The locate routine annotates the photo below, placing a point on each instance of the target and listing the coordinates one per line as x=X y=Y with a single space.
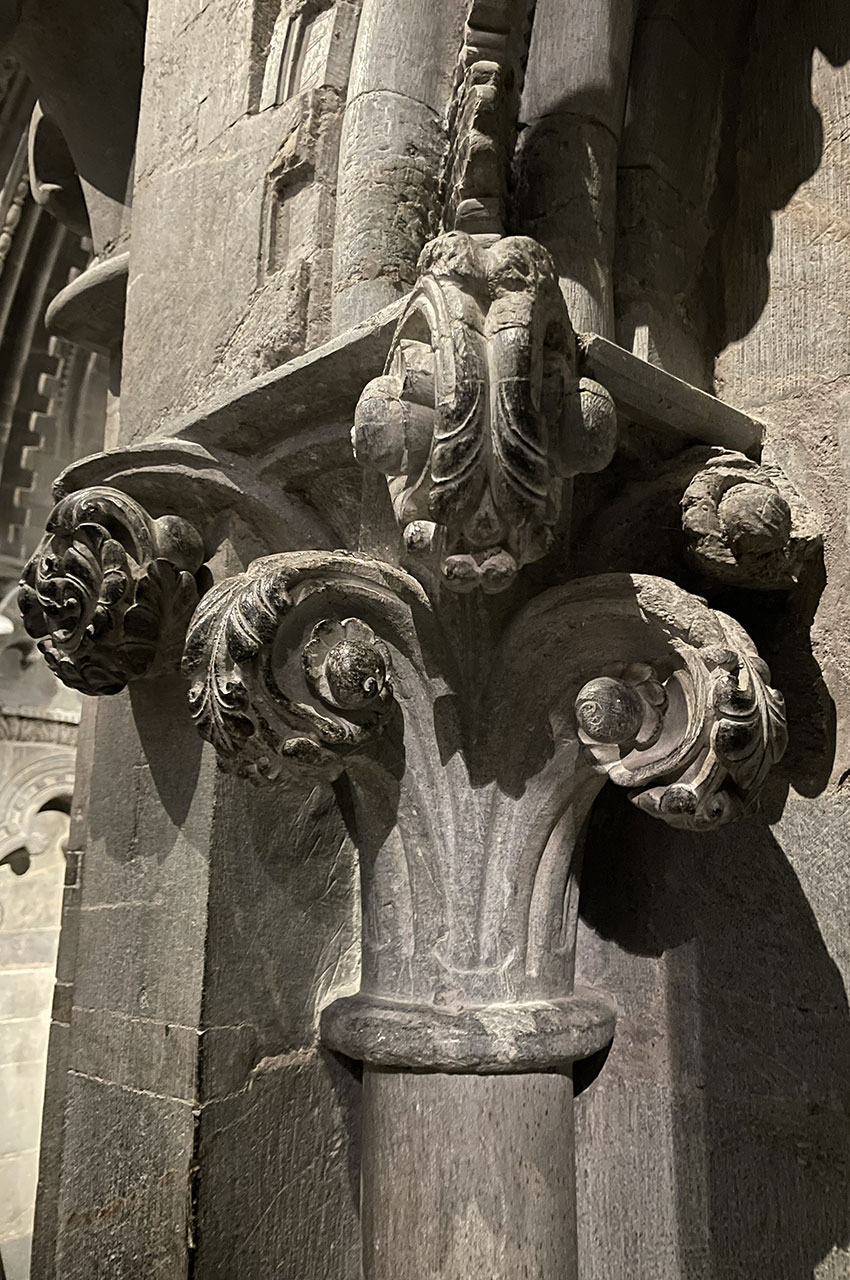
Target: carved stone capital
x=109 y=592
x=480 y=415
x=465 y=759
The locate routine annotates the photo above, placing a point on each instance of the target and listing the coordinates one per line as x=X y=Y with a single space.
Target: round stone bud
x=380 y=427
x=678 y=801
x=498 y=571
x=609 y=711
x=756 y=519
x=356 y=673
x=460 y=573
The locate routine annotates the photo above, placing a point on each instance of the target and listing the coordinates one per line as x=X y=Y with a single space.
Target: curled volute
x=480 y=416
x=283 y=681
x=693 y=746
x=109 y=592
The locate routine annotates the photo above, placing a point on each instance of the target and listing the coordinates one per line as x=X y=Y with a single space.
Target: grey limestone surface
x=685 y=164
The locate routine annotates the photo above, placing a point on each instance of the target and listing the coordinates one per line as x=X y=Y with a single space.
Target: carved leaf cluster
x=744 y=525
x=479 y=416
x=109 y=592
x=265 y=714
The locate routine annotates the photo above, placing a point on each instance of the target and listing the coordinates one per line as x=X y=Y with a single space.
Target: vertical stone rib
x=393 y=145
x=572 y=117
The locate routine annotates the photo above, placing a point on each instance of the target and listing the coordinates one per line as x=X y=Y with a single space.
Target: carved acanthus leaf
x=695 y=746
x=109 y=592
x=480 y=416
x=279 y=687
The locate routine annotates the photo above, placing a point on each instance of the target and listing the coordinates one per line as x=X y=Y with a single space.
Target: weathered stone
x=109 y=591
x=499 y=249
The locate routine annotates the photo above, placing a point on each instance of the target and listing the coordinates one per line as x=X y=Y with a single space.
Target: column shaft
x=467 y=1177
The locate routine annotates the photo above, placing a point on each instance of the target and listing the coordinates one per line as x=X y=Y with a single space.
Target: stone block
x=292 y=1126
x=24 y=1040
x=21 y=1087
x=17 y=1191
x=25 y=992
x=126 y=1216
x=33 y=901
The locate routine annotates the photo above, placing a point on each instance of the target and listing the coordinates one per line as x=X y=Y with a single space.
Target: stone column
x=494 y=1190
x=394 y=142
x=387 y=642
x=572 y=120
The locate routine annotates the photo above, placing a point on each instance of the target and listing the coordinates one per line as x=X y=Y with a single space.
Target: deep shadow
x=170 y=741
x=346 y=1077
x=756 y=1022
x=772 y=143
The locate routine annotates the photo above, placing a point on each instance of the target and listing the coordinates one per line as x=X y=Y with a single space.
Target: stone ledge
x=650 y=396
x=296 y=419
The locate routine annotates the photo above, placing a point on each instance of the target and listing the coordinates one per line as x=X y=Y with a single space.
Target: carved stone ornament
x=744 y=524
x=25 y=792
x=465 y=761
x=736 y=732
x=483 y=126
x=271 y=709
x=109 y=592
x=480 y=416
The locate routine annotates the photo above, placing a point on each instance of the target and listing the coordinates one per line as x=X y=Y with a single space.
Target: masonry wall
x=205 y=1132
x=714 y=1141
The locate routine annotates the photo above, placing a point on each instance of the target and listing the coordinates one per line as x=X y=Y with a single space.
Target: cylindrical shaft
x=468 y=1177
x=572 y=113
x=393 y=145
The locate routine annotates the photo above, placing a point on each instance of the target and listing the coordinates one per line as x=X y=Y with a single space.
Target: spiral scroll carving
x=109 y=592
x=271 y=702
x=695 y=749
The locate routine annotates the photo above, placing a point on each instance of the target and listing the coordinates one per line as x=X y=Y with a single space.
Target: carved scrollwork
x=744 y=525
x=315 y=663
x=480 y=416
x=109 y=592
x=272 y=699
x=694 y=749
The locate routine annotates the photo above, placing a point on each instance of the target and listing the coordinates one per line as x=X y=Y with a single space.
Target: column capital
x=466 y=748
